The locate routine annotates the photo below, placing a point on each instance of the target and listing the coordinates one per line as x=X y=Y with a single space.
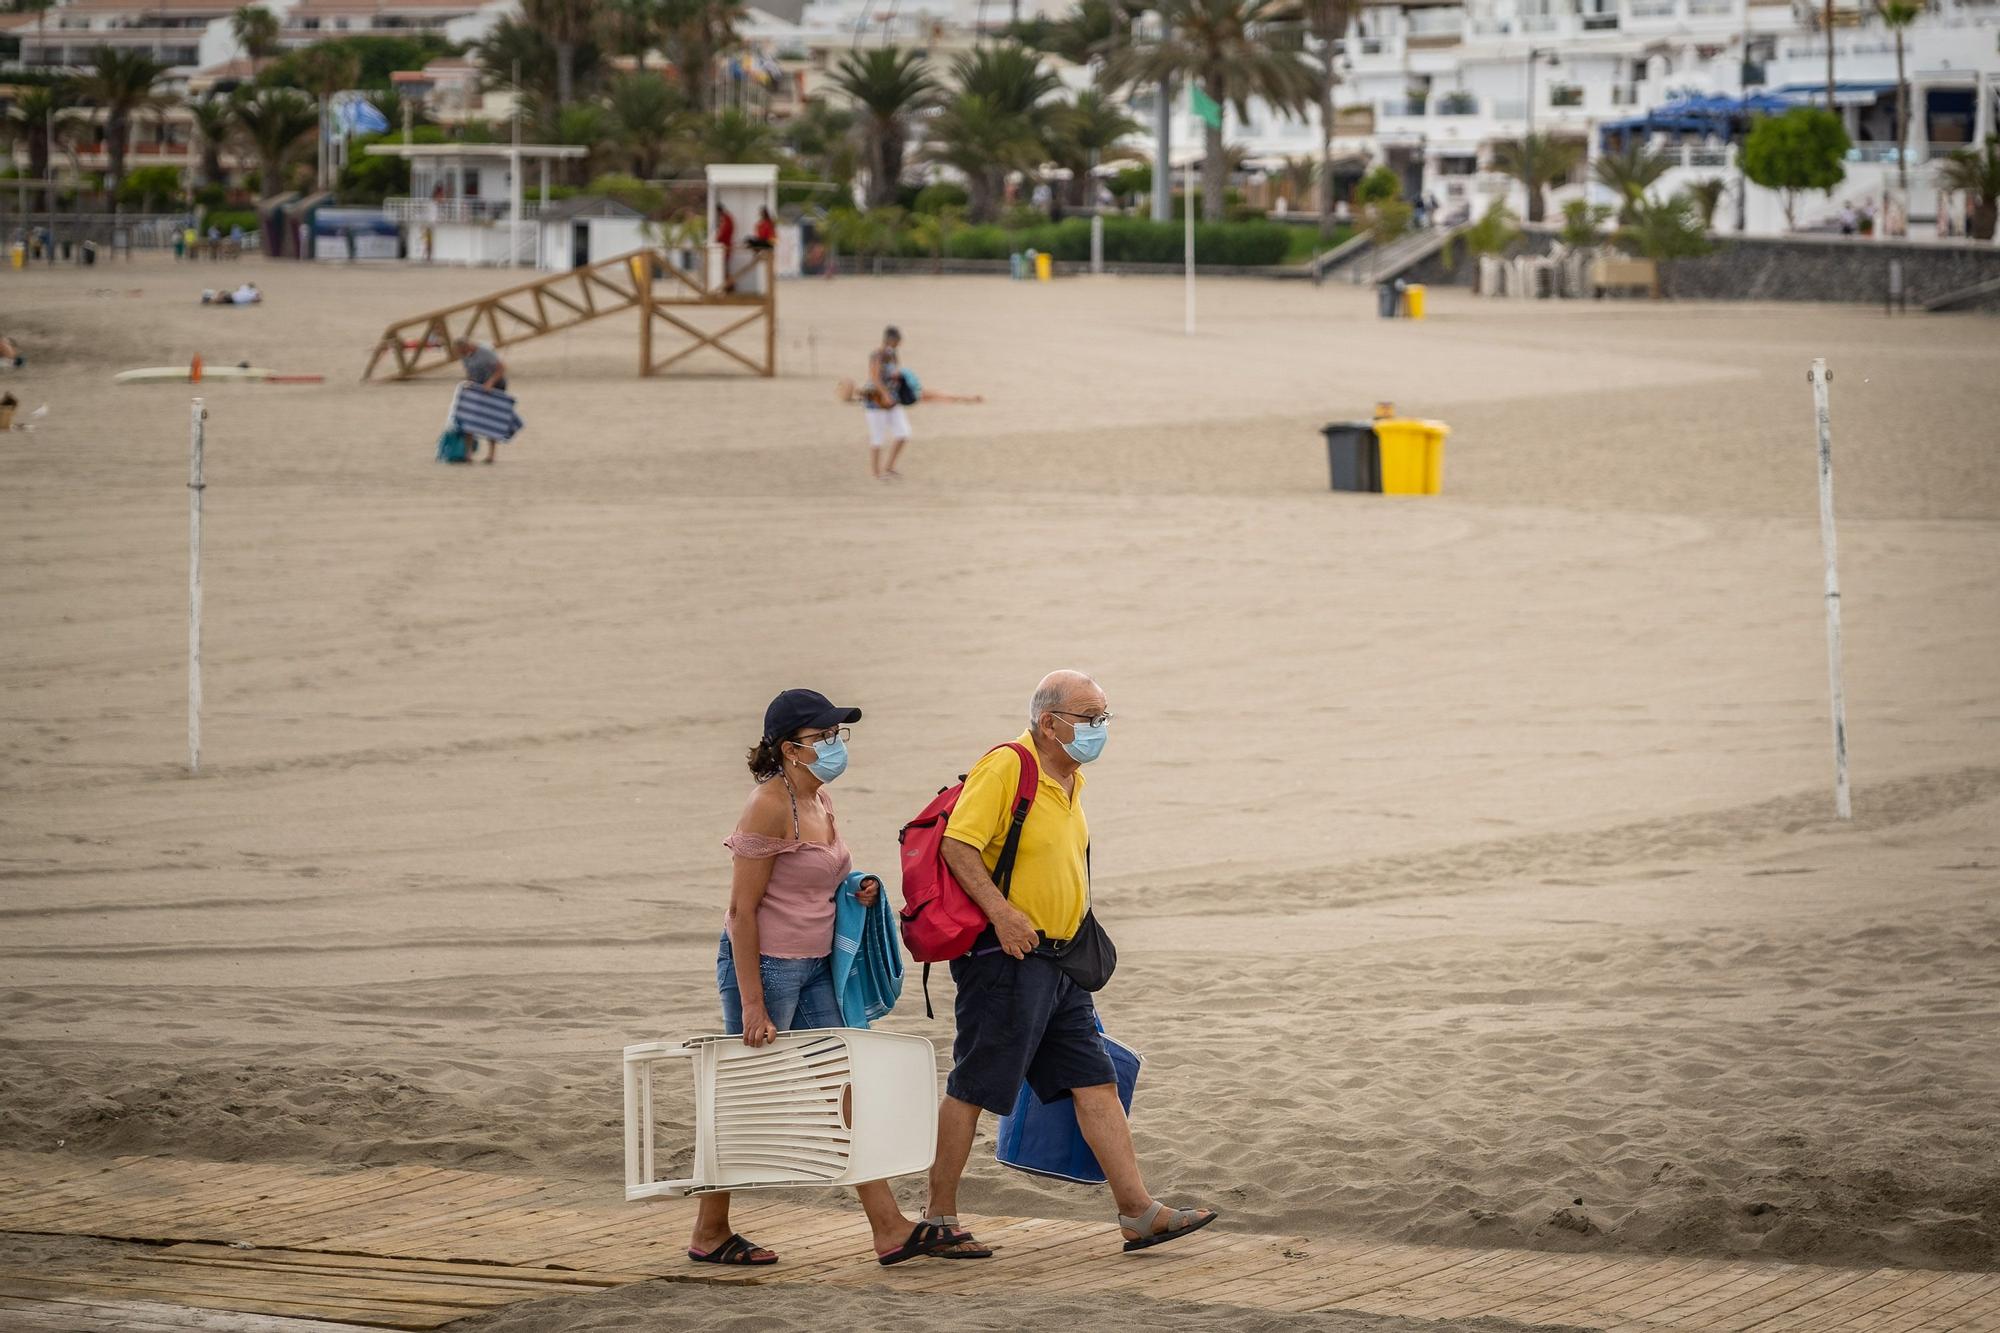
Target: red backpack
x=940 y=920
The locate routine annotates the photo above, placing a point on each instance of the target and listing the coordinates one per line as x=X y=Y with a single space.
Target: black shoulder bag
x=1088 y=957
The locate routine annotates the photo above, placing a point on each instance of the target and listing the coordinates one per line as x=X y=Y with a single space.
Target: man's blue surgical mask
x=1086 y=741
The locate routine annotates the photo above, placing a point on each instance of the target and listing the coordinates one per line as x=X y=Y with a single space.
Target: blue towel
x=867 y=956
x=487 y=413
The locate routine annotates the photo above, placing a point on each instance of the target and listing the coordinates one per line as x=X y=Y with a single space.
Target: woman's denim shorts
x=798 y=992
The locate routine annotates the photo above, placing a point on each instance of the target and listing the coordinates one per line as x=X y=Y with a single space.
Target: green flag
x=1205 y=106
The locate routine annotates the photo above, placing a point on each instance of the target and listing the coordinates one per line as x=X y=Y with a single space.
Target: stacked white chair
x=827 y=1106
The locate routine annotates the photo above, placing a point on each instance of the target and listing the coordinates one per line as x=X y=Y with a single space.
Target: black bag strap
x=1024 y=799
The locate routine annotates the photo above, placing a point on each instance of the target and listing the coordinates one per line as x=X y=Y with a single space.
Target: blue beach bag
x=451 y=445
x=1042 y=1138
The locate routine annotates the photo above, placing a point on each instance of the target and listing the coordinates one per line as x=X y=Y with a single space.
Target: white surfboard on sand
x=181 y=375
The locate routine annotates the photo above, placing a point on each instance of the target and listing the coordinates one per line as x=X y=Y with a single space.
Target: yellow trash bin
x=1045 y=267
x=17 y=254
x=1412 y=455
x=1413 y=300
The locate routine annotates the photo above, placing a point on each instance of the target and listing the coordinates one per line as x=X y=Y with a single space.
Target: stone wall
x=1792 y=268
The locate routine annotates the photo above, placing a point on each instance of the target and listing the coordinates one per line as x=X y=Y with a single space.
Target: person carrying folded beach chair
x=786 y=964
x=484 y=370
x=1023 y=1009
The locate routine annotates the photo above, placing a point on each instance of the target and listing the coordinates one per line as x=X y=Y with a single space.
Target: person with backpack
x=774 y=968
x=883 y=398
x=1017 y=846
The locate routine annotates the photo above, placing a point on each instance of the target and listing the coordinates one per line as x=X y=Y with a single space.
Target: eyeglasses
x=1088 y=719
x=836 y=734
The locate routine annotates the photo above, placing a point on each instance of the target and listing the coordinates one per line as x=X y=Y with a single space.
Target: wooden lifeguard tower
x=678 y=287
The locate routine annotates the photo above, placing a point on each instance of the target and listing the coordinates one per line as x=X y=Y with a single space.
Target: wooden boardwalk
x=418 y=1247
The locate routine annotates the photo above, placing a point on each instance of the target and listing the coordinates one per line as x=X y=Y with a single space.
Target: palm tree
x=1976 y=172
x=39 y=117
x=255 y=29
x=1327 y=21
x=1706 y=195
x=699 y=32
x=647 y=118
x=122 y=83
x=215 y=121
x=1010 y=75
x=1233 y=51
x=888 y=86
x=1084 y=133
x=632 y=27
x=1896 y=16
x=584 y=125
x=567 y=25
x=1628 y=173
x=984 y=141
x=737 y=136
x=275 y=122
x=822 y=138
x=1538 y=161
x=325 y=69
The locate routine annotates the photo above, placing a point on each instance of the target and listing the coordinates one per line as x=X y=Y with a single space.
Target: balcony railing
x=401 y=208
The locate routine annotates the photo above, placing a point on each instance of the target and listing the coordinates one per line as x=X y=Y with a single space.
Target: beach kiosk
x=743 y=188
x=465 y=204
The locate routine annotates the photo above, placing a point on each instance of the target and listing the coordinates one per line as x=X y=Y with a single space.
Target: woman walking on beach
x=774 y=970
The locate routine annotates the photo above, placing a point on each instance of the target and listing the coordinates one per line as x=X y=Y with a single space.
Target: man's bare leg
x=957 y=1122
x=875 y=461
x=1101 y=1117
x=896 y=452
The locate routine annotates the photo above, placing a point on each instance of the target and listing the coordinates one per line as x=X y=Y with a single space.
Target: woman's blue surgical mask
x=1086 y=741
x=832 y=760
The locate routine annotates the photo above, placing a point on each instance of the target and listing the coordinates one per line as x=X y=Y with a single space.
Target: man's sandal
x=1182 y=1222
x=927 y=1238
x=734 y=1251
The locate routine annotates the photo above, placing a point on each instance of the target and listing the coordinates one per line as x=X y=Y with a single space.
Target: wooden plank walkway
x=418 y=1247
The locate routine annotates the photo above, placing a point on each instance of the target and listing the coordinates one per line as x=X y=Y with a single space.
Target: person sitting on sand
x=882 y=405
x=10 y=355
x=247 y=294
x=484 y=367
x=774 y=969
x=1020 y=1015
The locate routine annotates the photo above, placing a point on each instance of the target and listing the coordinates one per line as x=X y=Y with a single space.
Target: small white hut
x=585 y=229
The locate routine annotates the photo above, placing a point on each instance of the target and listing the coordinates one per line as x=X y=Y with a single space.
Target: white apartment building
x=1432 y=85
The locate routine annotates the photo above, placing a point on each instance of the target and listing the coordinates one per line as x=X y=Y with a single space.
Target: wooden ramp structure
x=668 y=302
x=420 y=1247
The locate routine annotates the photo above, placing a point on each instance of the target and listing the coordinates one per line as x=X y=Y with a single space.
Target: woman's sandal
x=928 y=1238
x=734 y=1251
x=960 y=1237
x=1184 y=1221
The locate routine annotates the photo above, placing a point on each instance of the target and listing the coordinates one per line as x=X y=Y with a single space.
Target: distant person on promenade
x=1020 y=1015
x=483 y=367
x=774 y=969
x=882 y=405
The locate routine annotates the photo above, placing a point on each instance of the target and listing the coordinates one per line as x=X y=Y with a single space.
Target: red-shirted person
x=725 y=237
x=765 y=237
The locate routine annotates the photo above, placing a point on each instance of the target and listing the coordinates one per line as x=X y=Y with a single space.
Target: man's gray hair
x=1049 y=695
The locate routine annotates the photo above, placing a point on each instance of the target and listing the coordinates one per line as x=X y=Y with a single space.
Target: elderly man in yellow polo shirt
x=1019 y=1017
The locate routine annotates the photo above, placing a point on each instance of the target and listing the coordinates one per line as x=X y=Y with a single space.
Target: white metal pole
x=1820 y=377
x=195 y=488
x=1097 y=242
x=1187 y=231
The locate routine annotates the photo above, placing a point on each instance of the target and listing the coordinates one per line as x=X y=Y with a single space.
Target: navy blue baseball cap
x=798 y=710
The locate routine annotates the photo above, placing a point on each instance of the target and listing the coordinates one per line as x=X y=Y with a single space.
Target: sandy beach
x=1472 y=859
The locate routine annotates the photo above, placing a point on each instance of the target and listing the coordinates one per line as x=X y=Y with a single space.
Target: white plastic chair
x=826 y=1106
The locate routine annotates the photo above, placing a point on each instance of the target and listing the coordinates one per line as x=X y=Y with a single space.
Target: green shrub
x=935 y=198
x=1378 y=186
x=222 y=219
x=148 y=187
x=1021 y=217
x=630 y=191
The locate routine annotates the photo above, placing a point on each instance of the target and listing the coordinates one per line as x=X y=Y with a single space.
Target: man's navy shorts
x=1021 y=1019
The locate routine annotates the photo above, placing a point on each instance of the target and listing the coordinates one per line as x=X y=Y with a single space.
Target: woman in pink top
x=774 y=969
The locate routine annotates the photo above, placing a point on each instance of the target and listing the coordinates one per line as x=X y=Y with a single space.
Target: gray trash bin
x=1353 y=456
x=1388 y=297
